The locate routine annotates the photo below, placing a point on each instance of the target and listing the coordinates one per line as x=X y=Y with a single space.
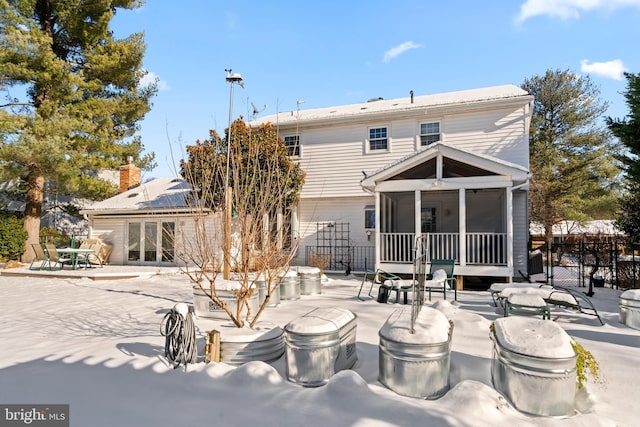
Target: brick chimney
x=129 y=175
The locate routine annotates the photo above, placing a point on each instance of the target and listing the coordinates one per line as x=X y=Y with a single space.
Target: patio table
x=73 y=254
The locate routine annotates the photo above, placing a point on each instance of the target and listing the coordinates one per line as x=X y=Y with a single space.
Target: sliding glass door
x=150 y=242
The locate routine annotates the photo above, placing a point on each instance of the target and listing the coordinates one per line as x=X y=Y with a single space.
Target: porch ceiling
x=456 y=163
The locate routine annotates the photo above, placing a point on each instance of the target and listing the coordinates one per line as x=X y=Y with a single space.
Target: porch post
x=377 y=233
x=509 y=191
x=462 y=226
x=417 y=223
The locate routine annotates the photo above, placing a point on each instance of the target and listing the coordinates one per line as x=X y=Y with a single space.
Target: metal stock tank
x=290 y=286
x=310 y=280
x=534 y=366
x=630 y=308
x=319 y=344
x=225 y=290
x=261 y=284
x=416 y=364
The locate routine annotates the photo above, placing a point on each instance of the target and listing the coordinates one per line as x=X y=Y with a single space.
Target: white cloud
x=611 y=69
x=151 y=78
x=399 y=50
x=568 y=9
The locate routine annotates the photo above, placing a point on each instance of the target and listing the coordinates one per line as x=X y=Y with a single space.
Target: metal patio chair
x=55 y=258
x=41 y=257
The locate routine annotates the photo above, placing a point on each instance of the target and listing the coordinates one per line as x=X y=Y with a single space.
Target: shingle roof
x=158 y=194
x=464 y=97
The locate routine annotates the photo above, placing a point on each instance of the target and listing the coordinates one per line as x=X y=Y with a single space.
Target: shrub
x=51 y=235
x=12 y=237
x=586 y=364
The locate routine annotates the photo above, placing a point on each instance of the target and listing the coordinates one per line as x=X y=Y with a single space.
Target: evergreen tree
x=628 y=131
x=571 y=159
x=73 y=99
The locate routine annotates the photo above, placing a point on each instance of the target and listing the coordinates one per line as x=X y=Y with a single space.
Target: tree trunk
x=32 y=212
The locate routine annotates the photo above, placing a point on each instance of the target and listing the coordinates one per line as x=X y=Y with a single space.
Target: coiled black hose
x=179 y=331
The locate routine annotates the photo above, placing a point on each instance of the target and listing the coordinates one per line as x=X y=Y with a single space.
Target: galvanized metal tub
x=415 y=364
x=265 y=342
x=205 y=307
x=274 y=299
x=630 y=308
x=542 y=382
x=310 y=281
x=290 y=286
x=319 y=344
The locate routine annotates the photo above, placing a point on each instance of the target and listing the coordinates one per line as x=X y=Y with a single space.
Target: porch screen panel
x=150 y=241
x=133 y=246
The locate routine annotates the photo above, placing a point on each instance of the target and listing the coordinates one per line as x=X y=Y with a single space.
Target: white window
x=293 y=145
x=369 y=217
x=429 y=133
x=378 y=140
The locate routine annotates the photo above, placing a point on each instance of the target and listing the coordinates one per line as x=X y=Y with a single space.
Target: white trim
x=367 y=141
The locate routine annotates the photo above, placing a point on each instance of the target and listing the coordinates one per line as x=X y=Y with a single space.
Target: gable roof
x=158 y=195
x=482 y=161
x=458 y=100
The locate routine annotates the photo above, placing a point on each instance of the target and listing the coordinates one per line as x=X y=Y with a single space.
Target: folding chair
x=41 y=257
x=54 y=258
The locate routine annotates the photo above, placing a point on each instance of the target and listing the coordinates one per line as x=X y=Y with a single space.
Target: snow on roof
x=399 y=104
x=604 y=227
x=160 y=193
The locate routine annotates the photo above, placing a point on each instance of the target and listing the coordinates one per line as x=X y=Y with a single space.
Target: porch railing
x=481 y=248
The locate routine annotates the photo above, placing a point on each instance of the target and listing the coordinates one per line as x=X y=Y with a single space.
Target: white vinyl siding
x=334 y=158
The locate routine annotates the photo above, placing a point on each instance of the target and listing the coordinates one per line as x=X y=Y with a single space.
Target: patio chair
x=377 y=277
x=95 y=257
x=41 y=257
x=54 y=258
x=449 y=283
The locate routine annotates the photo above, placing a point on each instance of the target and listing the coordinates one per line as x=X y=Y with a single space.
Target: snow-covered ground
x=96 y=345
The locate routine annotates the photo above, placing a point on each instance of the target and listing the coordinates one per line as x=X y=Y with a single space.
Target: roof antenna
x=411 y=93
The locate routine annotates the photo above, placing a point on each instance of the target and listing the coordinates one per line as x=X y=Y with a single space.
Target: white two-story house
x=452 y=168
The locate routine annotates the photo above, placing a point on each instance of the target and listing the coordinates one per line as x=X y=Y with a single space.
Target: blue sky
x=343 y=52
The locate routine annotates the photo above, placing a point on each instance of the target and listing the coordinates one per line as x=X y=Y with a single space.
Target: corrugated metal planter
x=415 y=364
x=290 y=286
x=534 y=366
x=265 y=342
x=205 y=307
x=274 y=300
x=630 y=308
x=319 y=344
x=310 y=280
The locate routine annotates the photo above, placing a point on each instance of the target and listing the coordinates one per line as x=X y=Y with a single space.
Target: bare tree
x=262 y=187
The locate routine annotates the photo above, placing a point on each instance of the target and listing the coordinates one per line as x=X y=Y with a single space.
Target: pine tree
x=571 y=159
x=628 y=131
x=73 y=99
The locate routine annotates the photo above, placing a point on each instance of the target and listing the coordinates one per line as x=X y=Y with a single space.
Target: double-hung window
x=292 y=143
x=378 y=139
x=429 y=133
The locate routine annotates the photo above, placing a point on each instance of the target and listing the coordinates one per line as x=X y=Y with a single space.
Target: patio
x=104 y=333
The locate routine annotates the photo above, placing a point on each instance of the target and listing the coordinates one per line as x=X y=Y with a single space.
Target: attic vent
x=176 y=180
x=376 y=99
x=132 y=195
x=363 y=108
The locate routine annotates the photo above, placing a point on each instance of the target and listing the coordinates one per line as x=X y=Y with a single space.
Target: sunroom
x=465 y=206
